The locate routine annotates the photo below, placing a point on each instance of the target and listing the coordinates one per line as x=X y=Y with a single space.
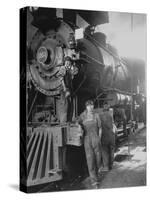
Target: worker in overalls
x=68 y=71
x=108 y=138
x=91 y=124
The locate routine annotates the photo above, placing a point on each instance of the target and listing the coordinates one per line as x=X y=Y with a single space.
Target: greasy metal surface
x=101 y=68
x=48 y=57
x=43 y=155
x=44 y=152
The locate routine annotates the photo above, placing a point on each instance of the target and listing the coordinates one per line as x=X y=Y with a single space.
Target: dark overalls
x=107 y=140
x=91 y=125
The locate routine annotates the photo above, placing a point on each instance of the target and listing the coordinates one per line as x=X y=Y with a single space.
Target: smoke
x=127 y=32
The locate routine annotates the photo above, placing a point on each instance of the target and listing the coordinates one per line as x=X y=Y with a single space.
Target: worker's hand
x=100 y=132
x=74 y=121
x=114 y=128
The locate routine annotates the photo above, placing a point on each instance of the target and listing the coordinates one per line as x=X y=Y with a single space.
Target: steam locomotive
x=68 y=62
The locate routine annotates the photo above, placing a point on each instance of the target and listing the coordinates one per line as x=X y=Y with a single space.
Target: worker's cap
x=89 y=102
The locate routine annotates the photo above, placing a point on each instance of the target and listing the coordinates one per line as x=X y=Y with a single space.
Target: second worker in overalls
x=108 y=138
x=91 y=124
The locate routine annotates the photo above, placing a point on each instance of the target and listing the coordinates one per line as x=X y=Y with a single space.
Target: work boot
x=95 y=185
x=105 y=169
x=100 y=170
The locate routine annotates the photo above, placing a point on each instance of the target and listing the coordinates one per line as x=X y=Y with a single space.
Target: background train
x=68 y=62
